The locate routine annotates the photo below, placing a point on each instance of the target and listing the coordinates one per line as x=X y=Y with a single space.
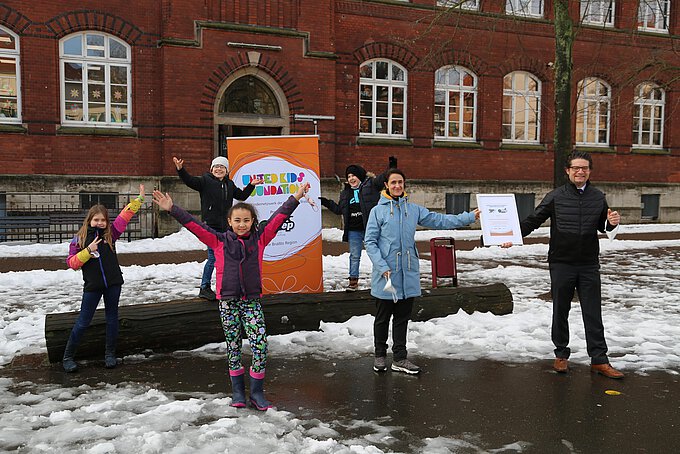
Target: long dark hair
x=247 y=207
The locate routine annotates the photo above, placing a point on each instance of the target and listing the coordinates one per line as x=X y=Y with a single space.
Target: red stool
x=443 y=258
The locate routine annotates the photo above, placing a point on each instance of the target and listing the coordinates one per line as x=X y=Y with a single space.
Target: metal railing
x=47 y=217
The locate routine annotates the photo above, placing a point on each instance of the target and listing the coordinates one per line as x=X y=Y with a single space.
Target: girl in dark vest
x=93 y=250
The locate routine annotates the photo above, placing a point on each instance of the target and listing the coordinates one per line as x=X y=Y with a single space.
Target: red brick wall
x=175 y=84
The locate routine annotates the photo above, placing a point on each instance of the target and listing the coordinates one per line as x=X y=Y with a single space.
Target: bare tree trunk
x=564 y=39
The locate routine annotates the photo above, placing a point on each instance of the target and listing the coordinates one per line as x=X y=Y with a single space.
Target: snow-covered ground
x=641 y=310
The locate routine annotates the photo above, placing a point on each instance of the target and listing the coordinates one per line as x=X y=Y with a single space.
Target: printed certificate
x=499 y=219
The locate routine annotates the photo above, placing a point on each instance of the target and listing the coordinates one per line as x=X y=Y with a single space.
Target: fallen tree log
x=185 y=325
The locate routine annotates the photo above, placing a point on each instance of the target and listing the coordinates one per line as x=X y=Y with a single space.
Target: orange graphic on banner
x=295 y=156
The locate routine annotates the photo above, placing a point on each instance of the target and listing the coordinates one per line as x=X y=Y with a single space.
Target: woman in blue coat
x=391 y=246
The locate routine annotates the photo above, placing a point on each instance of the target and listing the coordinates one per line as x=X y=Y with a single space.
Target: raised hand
x=256 y=181
x=141 y=191
x=164 y=201
x=613 y=217
x=92 y=247
x=179 y=163
x=302 y=191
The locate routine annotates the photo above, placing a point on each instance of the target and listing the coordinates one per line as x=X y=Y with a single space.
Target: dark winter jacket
x=238 y=260
x=217 y=196
x=369 y=194
x=104 y=271
x=575 y=219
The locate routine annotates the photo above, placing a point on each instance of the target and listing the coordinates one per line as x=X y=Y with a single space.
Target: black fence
x=56 y=217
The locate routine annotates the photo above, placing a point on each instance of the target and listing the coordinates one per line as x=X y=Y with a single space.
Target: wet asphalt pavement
x=488 y=406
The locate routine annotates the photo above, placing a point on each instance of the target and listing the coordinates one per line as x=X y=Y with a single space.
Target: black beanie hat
x=357 y=171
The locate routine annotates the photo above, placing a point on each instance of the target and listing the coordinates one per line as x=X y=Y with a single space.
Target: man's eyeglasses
x=577 y=168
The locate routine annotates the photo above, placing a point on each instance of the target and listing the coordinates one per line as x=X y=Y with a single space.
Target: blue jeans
x=208 y=269
x=87 y=308
x=356 y=244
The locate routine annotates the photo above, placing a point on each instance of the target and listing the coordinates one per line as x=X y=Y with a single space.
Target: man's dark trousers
x=585 y=279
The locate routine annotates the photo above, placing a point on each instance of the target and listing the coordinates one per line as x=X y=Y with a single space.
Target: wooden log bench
x=185 y=325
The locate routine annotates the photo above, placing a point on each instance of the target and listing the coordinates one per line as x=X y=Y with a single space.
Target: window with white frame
x=521 y=107
x=593 y=112
x=598 y=12
x=382 y=98
x=95 y=80
x=653 y=15
x=466 y=4
x=455 y=103
x=648 y=112
x=530 y=8
x=10 y=87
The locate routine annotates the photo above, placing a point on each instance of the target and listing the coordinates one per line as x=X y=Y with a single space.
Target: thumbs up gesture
x=613 y=217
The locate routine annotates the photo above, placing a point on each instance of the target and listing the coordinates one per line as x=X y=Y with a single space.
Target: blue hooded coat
x=391 y=246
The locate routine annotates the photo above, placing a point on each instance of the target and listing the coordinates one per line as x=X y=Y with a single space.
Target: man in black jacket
x=217 y=193
x=577 y=211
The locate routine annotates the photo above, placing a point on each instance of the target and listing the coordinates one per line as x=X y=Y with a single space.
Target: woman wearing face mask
x=358 y=197
x=395 y=281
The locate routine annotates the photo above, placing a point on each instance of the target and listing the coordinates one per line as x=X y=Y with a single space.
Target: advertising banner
x=292 y=262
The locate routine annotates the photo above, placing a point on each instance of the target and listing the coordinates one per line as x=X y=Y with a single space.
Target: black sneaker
x=379 y=364
x=207 y=294
x=405 y=366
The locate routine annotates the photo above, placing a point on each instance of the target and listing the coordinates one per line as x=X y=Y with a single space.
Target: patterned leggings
x=247 y=313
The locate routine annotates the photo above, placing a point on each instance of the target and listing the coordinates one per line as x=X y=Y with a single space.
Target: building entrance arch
x=249 y=103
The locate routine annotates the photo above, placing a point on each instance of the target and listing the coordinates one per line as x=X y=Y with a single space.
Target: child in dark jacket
x=360 y=194
x=238 y=253
x=217 y=193
x=93 y=250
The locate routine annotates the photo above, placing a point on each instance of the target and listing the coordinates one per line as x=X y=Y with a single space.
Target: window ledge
x=523 y=146
x=91 y=131
x=594 y=149
x=455 y=144
x=384 y=141
x=12 y=128
x=650 y=151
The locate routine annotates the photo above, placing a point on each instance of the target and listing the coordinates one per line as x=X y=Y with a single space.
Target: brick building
x=97 y=96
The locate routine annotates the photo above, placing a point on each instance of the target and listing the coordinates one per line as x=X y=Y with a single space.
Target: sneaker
x=379 y=364
x=353 y=284
x=405 y=366
x=110 y=361
x=207 y=294
x=70 y=365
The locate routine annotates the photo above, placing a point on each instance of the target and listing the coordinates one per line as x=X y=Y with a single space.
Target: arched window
x=455 y=103
x=95 y=80
x=10 y=86
x=382 y=99
x=593 y=112
x=648 y=112
x=521 y=107
x=249 y=95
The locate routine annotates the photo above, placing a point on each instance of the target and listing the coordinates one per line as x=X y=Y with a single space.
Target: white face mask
x=390 y=288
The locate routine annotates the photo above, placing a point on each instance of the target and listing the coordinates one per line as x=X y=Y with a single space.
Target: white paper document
x=499 y=219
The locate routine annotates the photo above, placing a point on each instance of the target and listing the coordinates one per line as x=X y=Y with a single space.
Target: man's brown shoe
x=561 y=365
x=606 y=369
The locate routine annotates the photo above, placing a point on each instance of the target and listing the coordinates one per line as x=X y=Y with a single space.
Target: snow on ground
x=641 y=311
